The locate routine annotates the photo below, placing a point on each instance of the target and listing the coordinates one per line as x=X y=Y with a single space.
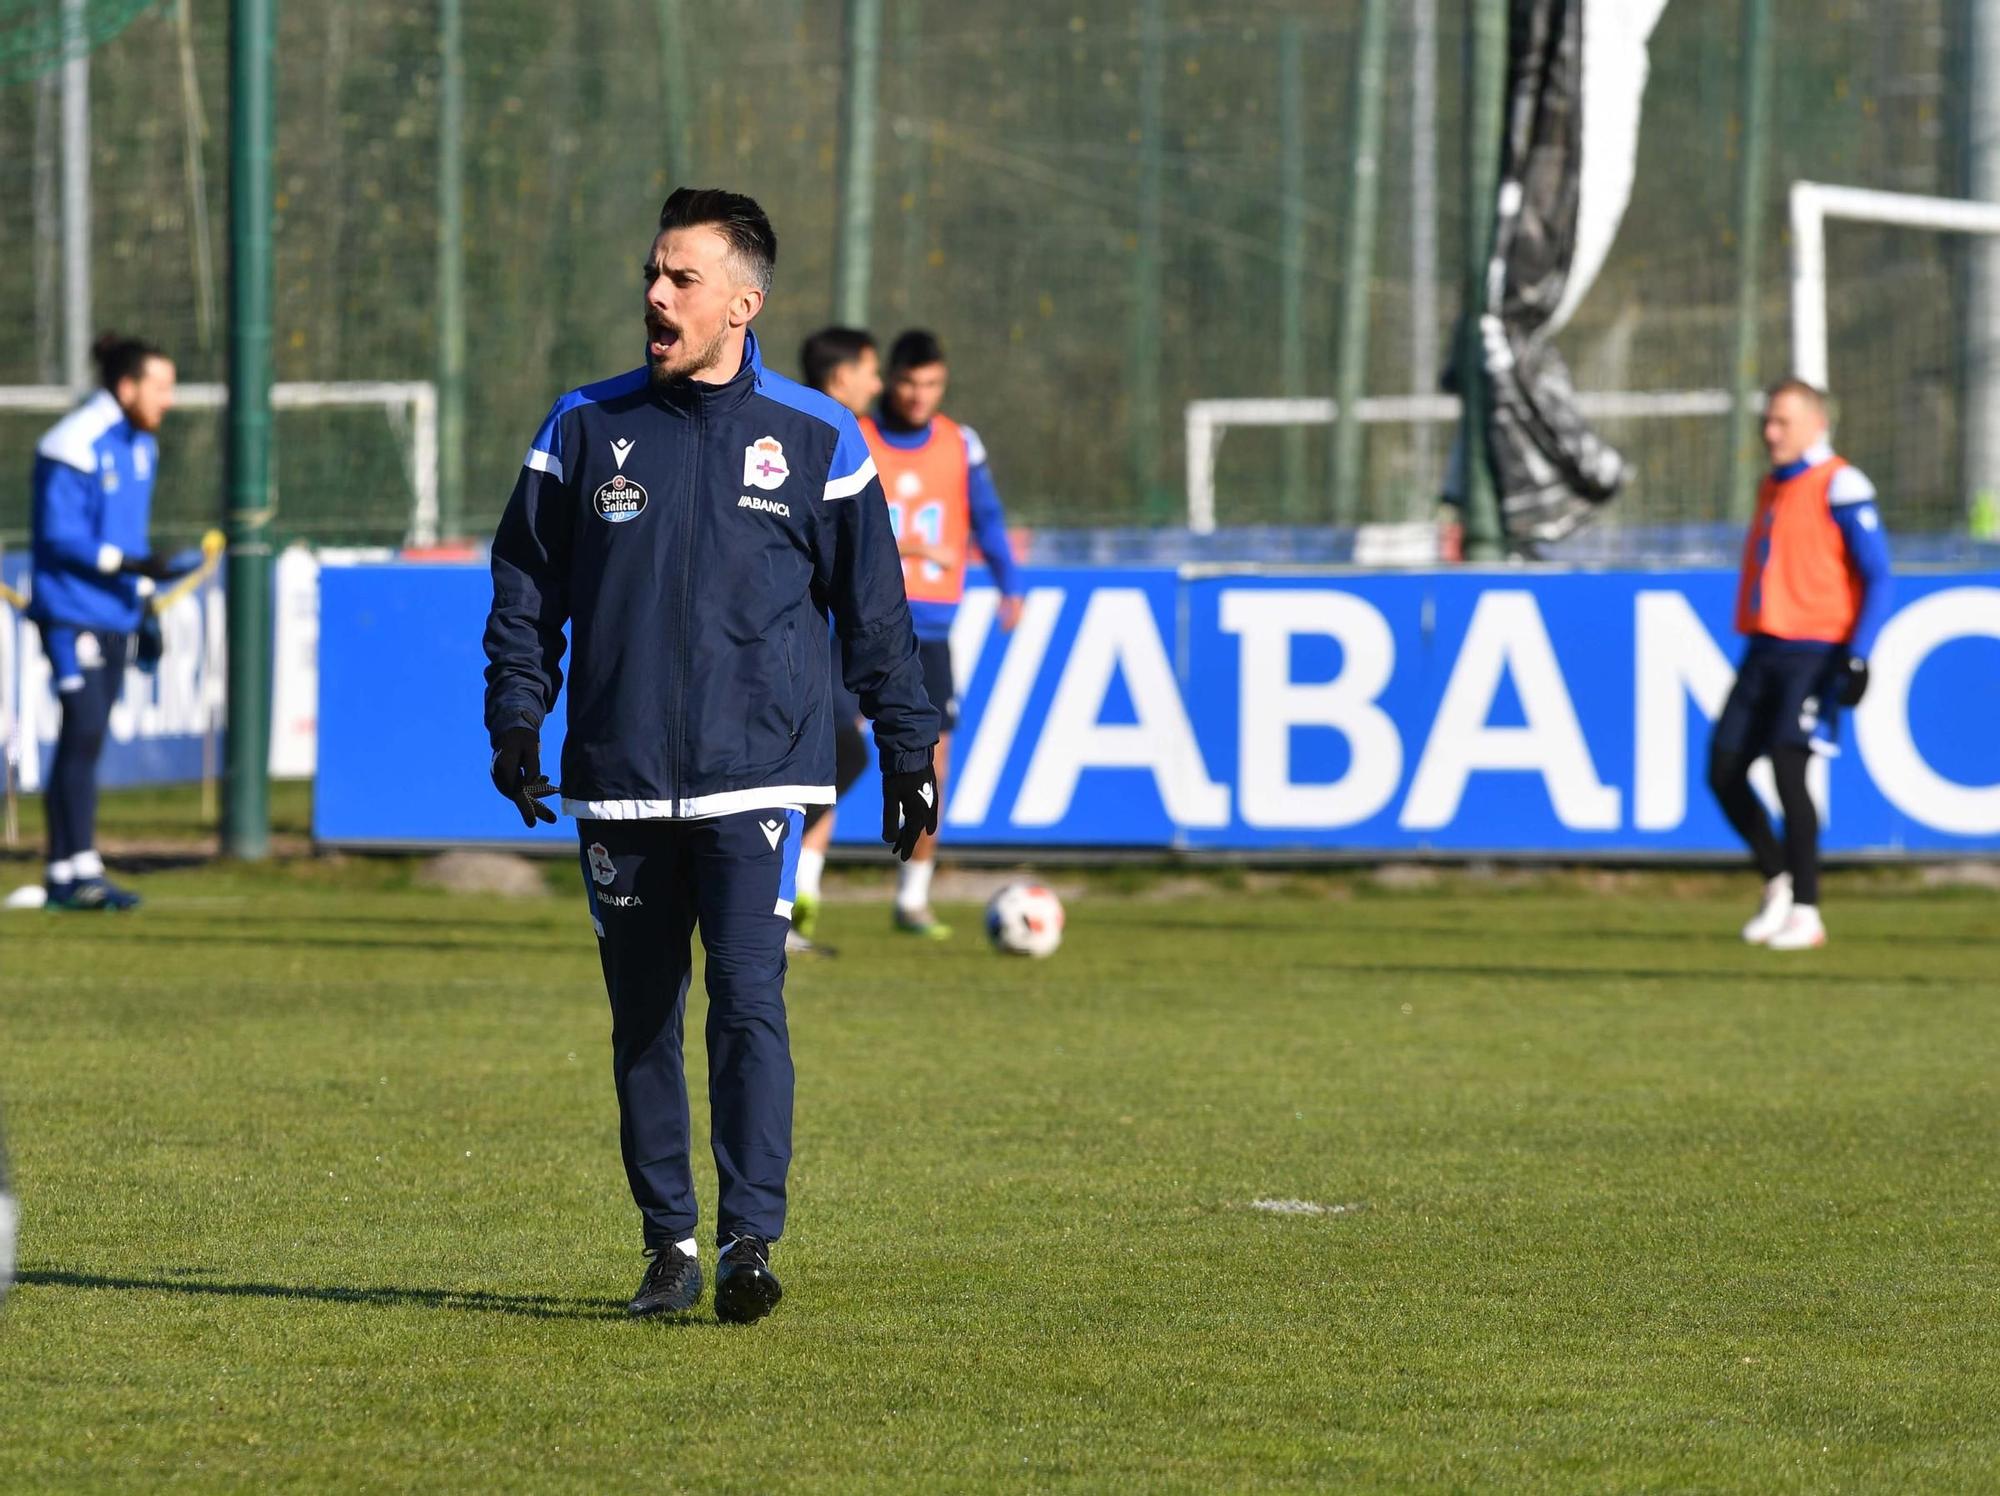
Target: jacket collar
x=711 y=399
x=1820 y=451
x=105 y=413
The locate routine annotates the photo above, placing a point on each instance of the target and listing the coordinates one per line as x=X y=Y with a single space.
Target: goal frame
x=1811 y=204
x=411 y=400
x=1207 y=420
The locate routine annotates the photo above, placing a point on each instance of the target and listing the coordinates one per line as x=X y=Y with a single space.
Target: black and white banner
x=1576 y=73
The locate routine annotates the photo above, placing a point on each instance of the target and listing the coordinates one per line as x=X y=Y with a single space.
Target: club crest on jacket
x=764 y=464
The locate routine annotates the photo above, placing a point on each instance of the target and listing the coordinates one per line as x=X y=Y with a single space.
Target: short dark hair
x=829 y=349
x=1807 y=391
x=119 y=357
x=737 y=218
x=914 y=349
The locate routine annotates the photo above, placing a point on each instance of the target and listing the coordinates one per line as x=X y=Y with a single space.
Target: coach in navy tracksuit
x=694 y=523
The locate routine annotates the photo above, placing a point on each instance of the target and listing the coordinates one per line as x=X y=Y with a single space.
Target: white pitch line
x=1301 y=1207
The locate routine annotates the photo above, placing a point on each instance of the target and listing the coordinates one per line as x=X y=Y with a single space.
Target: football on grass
x=1025 y=919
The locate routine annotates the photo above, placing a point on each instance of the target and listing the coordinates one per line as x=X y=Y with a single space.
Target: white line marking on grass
x=1302 y=1207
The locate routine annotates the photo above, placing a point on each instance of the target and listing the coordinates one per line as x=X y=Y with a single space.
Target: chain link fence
x=1106 y=211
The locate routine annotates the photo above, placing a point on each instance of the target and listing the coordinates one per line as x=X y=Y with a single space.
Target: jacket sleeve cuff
x=109 y=559
x=904 y=760
x=513 y=724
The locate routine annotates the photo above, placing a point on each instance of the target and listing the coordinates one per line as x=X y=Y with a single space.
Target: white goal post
x=1206 y=420
x=410 y=404
x=1812 y=204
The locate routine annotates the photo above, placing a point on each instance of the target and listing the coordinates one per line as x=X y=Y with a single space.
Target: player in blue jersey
x=94 y=569
x=1813 y=594
x=842 y=364
x=685 y=533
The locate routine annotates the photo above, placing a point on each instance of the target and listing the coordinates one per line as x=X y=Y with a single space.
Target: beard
x=684 y=360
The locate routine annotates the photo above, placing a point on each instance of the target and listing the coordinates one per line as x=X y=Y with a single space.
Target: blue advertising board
x=1459 y=712
x=166 y=723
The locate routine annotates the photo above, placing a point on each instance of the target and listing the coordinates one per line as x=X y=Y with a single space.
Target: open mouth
x=661 y=340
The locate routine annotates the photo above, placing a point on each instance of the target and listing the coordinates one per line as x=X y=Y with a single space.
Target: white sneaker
x=1773 y=912
x=1801 y=931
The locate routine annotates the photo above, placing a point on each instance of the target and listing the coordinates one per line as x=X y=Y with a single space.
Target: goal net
x=355 y=461
x=1656 y=429
x=1897 y=314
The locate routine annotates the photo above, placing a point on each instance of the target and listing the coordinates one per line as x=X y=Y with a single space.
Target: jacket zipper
x=687 y=608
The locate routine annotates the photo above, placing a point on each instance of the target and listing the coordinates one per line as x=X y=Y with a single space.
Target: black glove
x=1853 y=681
x=153 y=568
x=909 y=808
x=517 y=774
x=152 y=643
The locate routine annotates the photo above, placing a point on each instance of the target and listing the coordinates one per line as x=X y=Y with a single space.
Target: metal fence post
x=854 y=250
x=1485 y=84
x=1142 y=374
x=1755 y=108
x=1292 y=257
x=451 y=272
x=247 y=806
x=674 y=85
x=1357 y=260
x=78 y=333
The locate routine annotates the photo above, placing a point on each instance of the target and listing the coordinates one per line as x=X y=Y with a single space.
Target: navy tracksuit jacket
x=694 y=540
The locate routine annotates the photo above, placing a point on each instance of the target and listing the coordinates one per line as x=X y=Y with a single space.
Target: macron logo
x=769 y=506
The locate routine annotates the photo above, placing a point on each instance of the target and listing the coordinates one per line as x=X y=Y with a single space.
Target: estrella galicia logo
x=621 y=499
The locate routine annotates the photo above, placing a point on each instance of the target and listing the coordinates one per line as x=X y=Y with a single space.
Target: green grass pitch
x=321 y=1191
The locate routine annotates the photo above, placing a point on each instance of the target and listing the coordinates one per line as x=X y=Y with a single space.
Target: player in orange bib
x=941 y=495
x=1813 y=596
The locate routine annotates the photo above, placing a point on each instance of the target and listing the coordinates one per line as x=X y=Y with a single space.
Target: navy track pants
x=652 y=884
x=70 y=799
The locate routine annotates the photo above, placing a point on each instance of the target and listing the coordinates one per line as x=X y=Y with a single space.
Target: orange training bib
x=928 y=502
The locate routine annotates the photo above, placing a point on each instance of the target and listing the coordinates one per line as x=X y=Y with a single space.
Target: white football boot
x=1773 y=912
x=1801 y=931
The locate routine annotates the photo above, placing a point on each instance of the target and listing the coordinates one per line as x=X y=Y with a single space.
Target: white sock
x=687 y=1247
x=913 y=889
x=87 y=865
x=812 y=863
x=1781 y=883
x=62 y=872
